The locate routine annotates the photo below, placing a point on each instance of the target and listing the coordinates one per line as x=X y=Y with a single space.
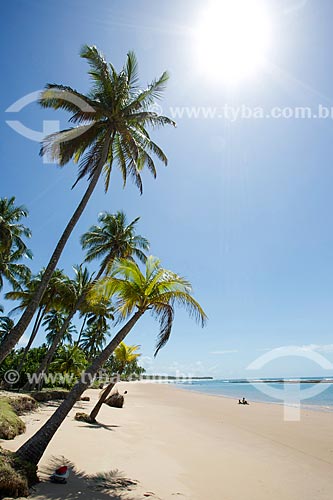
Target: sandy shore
x=180 y=444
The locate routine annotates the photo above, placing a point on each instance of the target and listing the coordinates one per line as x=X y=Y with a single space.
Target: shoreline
x=310 y=407
x=180 y=385
x=180 y=443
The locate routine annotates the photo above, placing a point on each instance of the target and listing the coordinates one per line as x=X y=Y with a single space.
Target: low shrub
x=22 y=403
x=43 y=396
x=10 y=423
x=15 y=476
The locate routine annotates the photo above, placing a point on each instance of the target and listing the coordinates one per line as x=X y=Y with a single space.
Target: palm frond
x=165 y=314
x=131 y=70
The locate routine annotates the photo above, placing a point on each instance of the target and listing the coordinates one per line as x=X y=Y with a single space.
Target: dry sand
x=180 y=444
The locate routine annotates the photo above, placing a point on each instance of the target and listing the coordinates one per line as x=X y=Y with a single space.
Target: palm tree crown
x=125 y=355
x=12 y=246
x=111 y=121
x=157 y=290
x=11 y=230
x=113 y=238
x=53 y=322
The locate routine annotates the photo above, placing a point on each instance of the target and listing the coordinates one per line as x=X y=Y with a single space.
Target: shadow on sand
x=98 y=425
x=112 y=485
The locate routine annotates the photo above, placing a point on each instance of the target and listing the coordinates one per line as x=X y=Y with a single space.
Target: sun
x=232 y=39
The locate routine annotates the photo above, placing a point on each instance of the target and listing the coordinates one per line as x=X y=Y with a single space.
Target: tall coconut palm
x=124 y=355
x=11 y=229
x=157 y=291
x=113 y=238
x=95 y=314
x=52 y=323
x=112 y=121
x=94 y=336
x=93 y=339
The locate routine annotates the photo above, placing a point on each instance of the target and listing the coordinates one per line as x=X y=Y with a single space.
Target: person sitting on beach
x=239 y=402
x=244 y=402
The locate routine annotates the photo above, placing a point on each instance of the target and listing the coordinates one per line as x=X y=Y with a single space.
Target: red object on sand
x=62 y=470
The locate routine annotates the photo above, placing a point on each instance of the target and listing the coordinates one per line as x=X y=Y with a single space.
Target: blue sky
x=243 y=208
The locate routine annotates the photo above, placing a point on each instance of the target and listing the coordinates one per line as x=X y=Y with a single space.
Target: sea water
x=257 y=391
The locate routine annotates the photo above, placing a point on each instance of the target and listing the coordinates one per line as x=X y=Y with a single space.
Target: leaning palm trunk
x=16 y=333
x=46 y=361
x=34 y=448
x=82 y=328
x=103 y=398
x=39 y=319
x=99 y=404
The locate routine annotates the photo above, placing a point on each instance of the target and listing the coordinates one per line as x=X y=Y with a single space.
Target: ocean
x=316 y=392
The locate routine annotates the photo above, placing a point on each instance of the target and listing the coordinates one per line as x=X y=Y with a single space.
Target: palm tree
x=112 y=128
x=53 y=322
x=12 y=246
x=91 y=313
x=52 y=299
x=157 y=291
x=113 y=238
x=123 y=355
x=93 y=340
x=72 y=291
x=70 y=360
x=6 y=324
x=11 y=230
x=93 y=337
x=14 y=272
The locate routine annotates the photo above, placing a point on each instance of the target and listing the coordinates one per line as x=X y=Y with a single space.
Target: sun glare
x=233 y=38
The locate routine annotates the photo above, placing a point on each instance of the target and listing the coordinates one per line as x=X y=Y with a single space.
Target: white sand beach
x=180 y=444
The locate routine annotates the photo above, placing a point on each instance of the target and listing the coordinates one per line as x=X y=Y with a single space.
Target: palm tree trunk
x=39 y=378
x=82 y=328
x=39 y=319
x=18 y=330
x=99 y=404
x=105 y=393
x=34 y=448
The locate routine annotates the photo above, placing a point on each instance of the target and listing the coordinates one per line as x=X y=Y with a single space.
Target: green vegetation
x=12 y=246
x=11 y=424
x=124 y=358
x=156 y=290
x=112 y=123
x=112 y=129
x=16 y=476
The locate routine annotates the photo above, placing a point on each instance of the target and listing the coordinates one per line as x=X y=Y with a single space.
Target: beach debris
x=52 y=395
x=149 y=494
x=116 y=400
x=83 y=417
x=60 y=475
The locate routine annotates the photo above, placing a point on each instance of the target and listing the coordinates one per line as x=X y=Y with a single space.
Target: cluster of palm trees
x=111 y=129
x=64 y=297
